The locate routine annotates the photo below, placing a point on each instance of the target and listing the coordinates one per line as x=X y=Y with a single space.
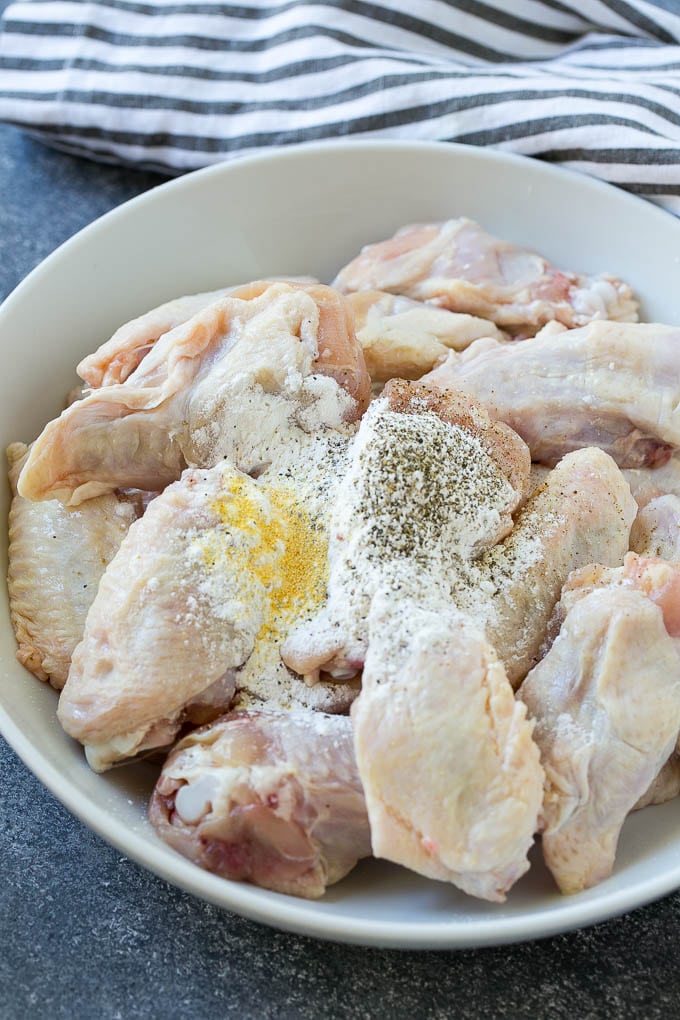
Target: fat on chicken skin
x=609 y=384
x=177 y=407
x=459 y=266
x=606 y=701
x=272 y=798
x=56 y=561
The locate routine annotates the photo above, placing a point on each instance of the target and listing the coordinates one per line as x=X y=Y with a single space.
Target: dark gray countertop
x=84 y=932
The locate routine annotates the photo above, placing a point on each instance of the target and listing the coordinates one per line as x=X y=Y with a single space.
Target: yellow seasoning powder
x=281 y=543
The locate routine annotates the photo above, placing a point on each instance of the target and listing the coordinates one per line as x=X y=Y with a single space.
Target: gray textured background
x=84 y=932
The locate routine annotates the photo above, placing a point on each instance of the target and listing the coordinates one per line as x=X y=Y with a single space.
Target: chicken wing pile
x=389 y=567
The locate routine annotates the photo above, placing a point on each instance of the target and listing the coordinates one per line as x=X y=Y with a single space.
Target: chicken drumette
x=272 y=798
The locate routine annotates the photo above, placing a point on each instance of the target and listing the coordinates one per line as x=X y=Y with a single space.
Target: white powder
x=263 y=555
x=309 y=472
x=420 y=500
x=244 y=405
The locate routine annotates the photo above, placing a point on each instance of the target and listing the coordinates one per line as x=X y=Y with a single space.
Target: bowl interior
x=307 y=211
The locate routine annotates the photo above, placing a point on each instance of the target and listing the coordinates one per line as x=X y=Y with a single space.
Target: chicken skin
x=56 y=560
x=117 y=359
x=451 y=774
x=656 y=529
x=192 y=610
x=182 y=403
x=512 y=579
x=464 y=477
x=458 y=266
x=432 y=483
x=609 y=384
x=114 y=361
x=272 y=798
x=404 y=339
x=606 y=700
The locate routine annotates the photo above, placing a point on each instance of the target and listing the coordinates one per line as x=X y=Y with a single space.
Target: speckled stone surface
x=86 y=933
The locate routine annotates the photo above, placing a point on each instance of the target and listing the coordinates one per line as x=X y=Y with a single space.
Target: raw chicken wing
x=581 y=514
x=452 y=779
x=610 y=384
x=451 y=774
x=404 y=339
x=606 y=700
x=193 y=609
x=458 y=266
x=185 y=402
x=56 y=560
x=272 y=798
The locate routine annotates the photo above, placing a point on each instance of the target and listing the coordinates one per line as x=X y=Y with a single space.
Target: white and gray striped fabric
x=178 y=84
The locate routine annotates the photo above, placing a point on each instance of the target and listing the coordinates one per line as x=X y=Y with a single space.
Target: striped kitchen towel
x=178 y=84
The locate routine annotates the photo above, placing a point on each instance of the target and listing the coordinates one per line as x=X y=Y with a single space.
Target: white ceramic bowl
x=307 y=211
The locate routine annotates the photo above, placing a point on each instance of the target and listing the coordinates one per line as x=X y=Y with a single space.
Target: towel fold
x=172 y=86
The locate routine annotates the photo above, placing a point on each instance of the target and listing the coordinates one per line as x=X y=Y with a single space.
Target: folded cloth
x=178 y=84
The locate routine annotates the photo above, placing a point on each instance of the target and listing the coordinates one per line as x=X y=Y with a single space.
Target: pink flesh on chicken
x=432 y=483
x=657 y=579
x=458 y=266
x=269 y=798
